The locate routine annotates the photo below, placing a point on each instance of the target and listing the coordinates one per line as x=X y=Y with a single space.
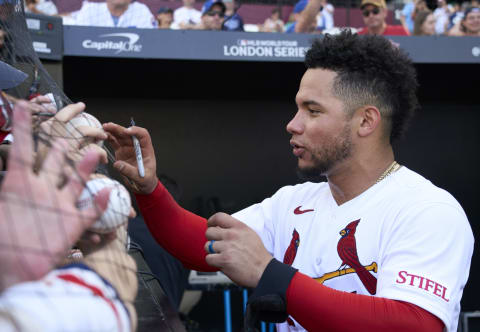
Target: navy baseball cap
x=10 y=77
x=210 y=3
x=165 y=10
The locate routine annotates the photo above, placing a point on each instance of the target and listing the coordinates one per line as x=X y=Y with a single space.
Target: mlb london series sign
x=241 y=46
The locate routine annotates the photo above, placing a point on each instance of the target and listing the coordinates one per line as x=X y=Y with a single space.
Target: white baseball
x=118 y=208
x=84 y=119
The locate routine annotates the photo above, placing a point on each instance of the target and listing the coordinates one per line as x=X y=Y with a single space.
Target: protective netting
x=63 y=239
x=17 y=50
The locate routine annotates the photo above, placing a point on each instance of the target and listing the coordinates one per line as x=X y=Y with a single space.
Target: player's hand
x=239 y=251
x=121 y=140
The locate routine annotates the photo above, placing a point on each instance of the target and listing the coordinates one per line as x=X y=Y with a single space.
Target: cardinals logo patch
x=347 y=251
x=291 y=251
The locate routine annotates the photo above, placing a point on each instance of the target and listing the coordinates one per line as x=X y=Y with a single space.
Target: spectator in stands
x=43 y=7
x=424 y=24
x=186 y=17
x=212 y=17
x=273 y=23
x=374 y=16
x=325 y=16
x=470 y=24
x=407 y=17
x=233 y=21
x=456 y=16
x=305 y=16
x=115 y=13
x=442 y=14
x=164 y=18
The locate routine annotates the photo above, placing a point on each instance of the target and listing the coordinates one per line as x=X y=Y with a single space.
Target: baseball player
x=375 y=248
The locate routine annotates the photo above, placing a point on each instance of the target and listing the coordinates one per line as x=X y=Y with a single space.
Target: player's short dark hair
x=370 y=71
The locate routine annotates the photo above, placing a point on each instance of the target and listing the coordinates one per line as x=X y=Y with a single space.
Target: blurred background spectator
x=304 y=18
x=325 y=19
x=274 y=23
x=271 y=15
x=186 y=17
x=424 y=24
x=213 y=16
x=115 y=13
x=44 y=7
x=233 y=21
x=409 y=11
x=469 y=25
x=442 y=13
x=295 y=15
x=164 y=18
x=456 y=17
x=374 y=16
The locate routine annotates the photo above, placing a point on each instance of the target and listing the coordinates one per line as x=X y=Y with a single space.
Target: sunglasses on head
x=215 y=12
x=374 y=11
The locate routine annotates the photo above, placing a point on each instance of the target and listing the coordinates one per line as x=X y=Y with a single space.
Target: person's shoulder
x=180 y=9
x=395 y=30
x=89 y=11
x=412 y=188
x=139 y=6
x=303 y=189
x=420 y=204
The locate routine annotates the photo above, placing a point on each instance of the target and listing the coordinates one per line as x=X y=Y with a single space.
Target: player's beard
x=327 y=156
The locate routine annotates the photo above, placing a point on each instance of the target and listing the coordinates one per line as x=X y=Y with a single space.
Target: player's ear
x=368 y=120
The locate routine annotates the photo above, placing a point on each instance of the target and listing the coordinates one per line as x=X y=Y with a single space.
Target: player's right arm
x=177 y=230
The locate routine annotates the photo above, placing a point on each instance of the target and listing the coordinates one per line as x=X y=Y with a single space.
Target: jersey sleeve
x=427 y=258
x=260 y=218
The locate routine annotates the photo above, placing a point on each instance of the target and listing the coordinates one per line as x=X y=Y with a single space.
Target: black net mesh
x=17 y=50
x=45 y=206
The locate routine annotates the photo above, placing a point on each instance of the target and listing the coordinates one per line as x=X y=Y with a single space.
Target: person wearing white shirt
x=44 y=7
x=115 y=13
x=186 y=17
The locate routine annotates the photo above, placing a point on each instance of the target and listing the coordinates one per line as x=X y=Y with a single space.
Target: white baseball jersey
x=74 y=299
x=97 y=14
x=412 y=239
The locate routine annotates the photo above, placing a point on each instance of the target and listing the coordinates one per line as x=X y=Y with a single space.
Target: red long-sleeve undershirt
x=315 y=306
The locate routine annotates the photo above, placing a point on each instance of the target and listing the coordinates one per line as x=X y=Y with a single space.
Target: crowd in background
x=417 y=17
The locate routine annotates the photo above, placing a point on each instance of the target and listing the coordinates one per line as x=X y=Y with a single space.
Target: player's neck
x=357 y=175
x=117 y=10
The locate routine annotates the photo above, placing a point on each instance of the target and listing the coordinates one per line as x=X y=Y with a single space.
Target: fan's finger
x=69 y=112
x=21 y=154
